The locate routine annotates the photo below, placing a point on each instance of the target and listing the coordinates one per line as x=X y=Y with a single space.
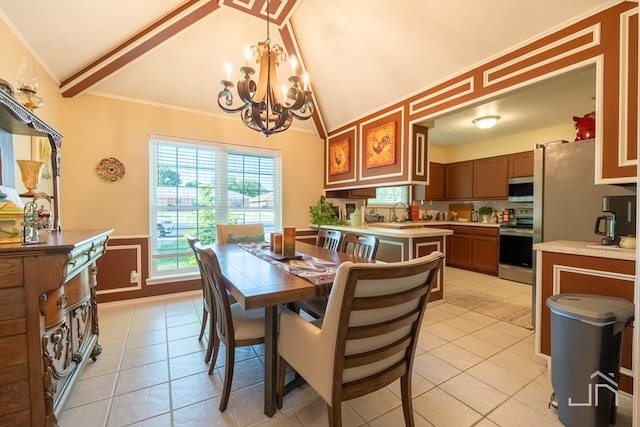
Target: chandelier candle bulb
x=227 y=67
x=306 y=81
x=289 y=245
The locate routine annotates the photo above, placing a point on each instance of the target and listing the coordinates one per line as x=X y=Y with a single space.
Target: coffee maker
x=619 y=219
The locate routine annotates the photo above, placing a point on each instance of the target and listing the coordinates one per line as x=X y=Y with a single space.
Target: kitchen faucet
x=392 y=214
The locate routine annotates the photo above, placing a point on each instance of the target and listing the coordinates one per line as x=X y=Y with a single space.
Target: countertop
x=389 y=232
x=573 y=247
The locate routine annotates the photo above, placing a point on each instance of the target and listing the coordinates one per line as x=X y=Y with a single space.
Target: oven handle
x=516 y=232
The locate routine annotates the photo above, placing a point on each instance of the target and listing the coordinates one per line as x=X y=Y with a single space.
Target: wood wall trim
x=599 y=38
x=139 y=44
x=350 y=176
x=383 y=173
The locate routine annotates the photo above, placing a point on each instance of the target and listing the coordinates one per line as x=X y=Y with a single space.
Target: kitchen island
x=404 y=241
x=567 y=266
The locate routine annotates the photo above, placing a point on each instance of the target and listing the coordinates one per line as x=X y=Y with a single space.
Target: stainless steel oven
x=516 y=247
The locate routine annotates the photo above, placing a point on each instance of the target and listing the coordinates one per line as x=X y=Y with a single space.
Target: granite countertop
x=594 y=249
x=390 y=232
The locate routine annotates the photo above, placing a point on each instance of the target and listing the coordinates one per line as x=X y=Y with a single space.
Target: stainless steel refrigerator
x=566 y=199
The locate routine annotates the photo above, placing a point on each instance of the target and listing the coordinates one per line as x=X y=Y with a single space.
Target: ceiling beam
x=141 y=43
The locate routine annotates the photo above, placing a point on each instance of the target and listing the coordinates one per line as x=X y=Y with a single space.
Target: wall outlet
x=133 y=276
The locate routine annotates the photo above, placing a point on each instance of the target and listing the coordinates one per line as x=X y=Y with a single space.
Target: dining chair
x=362 y=245
x=239 y=233
x=234 y=326
x=368 y=337
x=329 y=239
x=356 y=244
x=207 y=303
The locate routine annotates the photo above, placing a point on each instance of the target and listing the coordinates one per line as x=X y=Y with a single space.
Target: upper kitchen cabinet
x=383 y=150
x=459 y=180
x=490 y=178
x=521 y=164
x=436 y=188
x=18 y=120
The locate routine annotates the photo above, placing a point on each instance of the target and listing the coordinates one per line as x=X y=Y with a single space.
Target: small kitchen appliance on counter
x=619 y=219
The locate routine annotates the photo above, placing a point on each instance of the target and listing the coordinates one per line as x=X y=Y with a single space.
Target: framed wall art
x=381 y=145
x=339 y=156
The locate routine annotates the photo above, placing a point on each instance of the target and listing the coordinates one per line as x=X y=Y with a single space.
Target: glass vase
x=31 y=172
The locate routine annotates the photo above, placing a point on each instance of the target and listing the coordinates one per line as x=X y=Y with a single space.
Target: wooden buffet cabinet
x=48 y=309
x=48 y=322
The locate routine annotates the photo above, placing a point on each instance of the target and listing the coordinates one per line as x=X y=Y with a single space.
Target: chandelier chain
x=265 y=107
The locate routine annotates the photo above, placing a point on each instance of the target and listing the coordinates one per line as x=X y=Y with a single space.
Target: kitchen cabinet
x=436 y=188
x=459 y=180
x=485 y=250
x=521 y=164
x=354 y=193
x=490 y=178
x=581 y=272
x=460 y=247
x=48 y=324
x=473 y=248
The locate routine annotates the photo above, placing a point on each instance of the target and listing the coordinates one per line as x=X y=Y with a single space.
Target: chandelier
x=265 y=108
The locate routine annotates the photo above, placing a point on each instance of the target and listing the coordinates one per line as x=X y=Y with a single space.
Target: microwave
x=521 y=189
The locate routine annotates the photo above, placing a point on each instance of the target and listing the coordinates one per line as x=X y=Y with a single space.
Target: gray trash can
x=586 y=333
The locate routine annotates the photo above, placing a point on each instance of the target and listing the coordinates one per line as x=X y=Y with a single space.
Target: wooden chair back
x=235 y=233
x=365 y=246
x=380 y=313
x=329 y=239
x=215 y=282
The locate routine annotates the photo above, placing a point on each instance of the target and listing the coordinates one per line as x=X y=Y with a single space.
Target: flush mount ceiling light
x=486 y=122
x=266 y=108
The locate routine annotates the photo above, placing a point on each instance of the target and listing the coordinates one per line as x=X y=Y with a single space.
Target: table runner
x=317 y=271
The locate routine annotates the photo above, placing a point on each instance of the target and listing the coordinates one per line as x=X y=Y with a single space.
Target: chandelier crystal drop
x=266 y=108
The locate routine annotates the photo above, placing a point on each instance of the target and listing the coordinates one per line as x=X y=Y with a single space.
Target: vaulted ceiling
x=361 y=55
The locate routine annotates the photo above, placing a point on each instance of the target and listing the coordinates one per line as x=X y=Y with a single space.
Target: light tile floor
x=470 y=370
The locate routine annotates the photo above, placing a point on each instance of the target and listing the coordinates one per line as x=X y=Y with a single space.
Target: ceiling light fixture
x=265 y=108
x=486 y=122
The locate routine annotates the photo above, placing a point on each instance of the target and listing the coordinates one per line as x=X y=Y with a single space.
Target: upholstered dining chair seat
x=247 y=324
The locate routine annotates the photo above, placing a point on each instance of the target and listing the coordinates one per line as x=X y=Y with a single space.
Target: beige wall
x=498 y=146
x=12 y=53
x=97 y=127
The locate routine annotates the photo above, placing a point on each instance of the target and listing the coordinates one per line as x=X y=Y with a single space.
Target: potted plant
x=486 y=212
x=323 y=213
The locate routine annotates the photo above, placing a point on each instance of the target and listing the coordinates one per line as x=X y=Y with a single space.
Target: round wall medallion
x=110 y=169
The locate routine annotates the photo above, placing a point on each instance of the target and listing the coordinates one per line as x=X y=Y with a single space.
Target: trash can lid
x=598 y=309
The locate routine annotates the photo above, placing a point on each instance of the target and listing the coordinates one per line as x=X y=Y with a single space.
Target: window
x=390 y=195
x=194 y=186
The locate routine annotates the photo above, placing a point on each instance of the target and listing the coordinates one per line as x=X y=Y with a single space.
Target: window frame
x=185 y=266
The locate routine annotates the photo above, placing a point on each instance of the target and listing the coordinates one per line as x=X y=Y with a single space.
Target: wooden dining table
x=257 y=283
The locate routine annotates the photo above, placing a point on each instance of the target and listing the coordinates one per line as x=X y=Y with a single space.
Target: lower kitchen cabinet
x=460 y=247
x=473 y=248
x=485 y=250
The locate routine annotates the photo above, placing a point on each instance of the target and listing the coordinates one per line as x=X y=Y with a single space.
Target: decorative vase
x=485 y=219
x=31 y=171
